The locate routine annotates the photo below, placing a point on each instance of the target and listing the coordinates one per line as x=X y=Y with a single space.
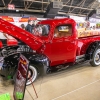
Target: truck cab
x=61 y=41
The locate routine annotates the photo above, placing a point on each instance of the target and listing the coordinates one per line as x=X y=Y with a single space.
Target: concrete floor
x=80 y=82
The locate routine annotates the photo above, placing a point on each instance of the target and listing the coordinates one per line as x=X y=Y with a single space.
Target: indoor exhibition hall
x=49 y=49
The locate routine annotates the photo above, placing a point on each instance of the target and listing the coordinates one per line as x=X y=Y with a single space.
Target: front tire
x=96 y=58
x=33 y=73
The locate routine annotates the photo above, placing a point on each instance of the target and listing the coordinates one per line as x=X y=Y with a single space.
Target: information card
x=21 y=78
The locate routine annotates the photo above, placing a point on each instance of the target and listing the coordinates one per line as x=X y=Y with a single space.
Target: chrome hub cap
x=97 y=57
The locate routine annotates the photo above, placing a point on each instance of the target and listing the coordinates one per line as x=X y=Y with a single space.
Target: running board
x=80 y=58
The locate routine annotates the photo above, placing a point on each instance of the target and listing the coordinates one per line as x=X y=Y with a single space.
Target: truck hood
x=32 y=41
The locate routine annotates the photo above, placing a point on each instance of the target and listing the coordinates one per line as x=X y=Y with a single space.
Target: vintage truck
x=56 y=47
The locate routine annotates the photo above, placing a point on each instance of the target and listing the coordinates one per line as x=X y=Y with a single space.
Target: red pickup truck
x=55 y=44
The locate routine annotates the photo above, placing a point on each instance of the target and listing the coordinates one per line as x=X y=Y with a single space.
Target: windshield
x=41 y=30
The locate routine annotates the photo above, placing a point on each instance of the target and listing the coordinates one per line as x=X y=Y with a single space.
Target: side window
x=63 y=31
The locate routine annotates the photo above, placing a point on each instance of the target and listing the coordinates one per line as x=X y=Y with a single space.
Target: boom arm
x=32 y=41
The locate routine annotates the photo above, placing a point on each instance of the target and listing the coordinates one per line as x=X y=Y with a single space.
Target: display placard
x=21 y=78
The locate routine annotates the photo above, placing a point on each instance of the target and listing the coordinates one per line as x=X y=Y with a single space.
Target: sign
x=85 y=33
x=23 y=20
x=78 y=19
x=11 y=6
x=7 y=18
x=32 y=18
x=21 y=78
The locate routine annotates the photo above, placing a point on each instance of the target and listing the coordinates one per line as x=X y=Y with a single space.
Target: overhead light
x=17 y=10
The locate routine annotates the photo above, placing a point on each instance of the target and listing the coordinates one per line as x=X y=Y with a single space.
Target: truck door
x=63 y=47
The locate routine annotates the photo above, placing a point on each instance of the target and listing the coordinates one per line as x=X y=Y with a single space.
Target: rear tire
x=96 y=58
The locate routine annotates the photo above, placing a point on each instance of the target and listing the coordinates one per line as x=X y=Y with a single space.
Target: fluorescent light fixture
x=17 y=10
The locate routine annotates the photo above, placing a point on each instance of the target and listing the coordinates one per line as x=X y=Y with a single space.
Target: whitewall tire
x=32 y=73
x=96 y=58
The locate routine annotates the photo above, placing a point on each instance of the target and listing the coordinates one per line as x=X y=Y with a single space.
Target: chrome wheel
x=95 y=61
x=97 y=57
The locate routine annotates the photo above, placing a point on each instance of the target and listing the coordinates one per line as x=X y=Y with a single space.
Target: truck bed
x=84 y=42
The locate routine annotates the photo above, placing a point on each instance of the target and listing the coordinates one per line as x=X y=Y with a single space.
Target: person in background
x=94 y=27
x=22 y=26
x=45 y=30
x=29 y=27
x=91 y=28
x=37 y=30
x=33 y=25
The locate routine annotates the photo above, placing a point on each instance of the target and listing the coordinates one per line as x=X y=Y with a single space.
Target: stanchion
x=33 y=86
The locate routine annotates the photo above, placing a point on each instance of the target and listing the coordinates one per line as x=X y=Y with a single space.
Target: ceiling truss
x=82 y=6
x=4 y=3
x=28 y=6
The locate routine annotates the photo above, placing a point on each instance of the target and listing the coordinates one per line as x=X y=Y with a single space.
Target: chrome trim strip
x=81 y=56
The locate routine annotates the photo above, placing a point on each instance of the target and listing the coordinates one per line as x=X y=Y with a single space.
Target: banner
x=11 y=7
x=25 y=19
x=21 y=78
x=7 y=18
x=85 y=33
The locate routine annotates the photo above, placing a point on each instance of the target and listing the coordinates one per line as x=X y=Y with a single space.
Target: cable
x=34 y=89
x=40 y=85
x=39 y=89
